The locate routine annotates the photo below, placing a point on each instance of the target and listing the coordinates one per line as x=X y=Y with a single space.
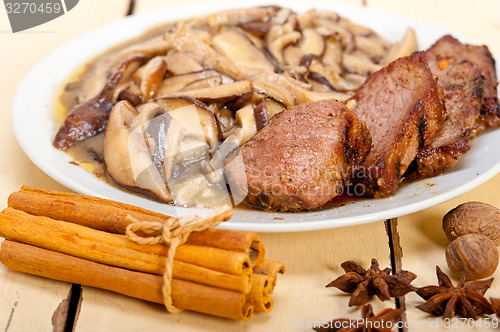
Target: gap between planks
x=396 y=257
x=65 y=317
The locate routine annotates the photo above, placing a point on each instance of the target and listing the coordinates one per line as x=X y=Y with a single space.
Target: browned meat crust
x=449 y=47
x=402 y=108
x=462 y=86
x=299 y=160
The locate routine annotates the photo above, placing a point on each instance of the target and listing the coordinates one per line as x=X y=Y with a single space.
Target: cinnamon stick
x=205 y=265
x=186 y=295
x=110 y=216
x=259 y=297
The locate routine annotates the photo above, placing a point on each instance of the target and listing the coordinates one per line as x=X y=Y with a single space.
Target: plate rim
x=266 y=227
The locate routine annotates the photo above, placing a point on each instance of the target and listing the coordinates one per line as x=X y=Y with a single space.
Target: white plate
x=32 y=118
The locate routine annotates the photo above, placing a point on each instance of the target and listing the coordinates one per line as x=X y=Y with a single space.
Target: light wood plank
x=29 y=303
x=312 y=260
x=424 y=245
x=143 y=6
x=422 y=238
x=476 y=21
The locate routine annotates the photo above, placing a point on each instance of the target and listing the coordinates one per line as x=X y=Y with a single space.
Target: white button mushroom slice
x=235 y=45
x=127 y=155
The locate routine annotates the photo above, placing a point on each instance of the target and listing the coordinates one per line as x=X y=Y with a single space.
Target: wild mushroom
x=312 y=42
x=127 y=155
x=149 y=76
x=235 y=45
x=143 y=147
x=220 y=93
x=179 y=63
x=235 y=16
x=405 y=47
x=177 y=83
x=209 y=123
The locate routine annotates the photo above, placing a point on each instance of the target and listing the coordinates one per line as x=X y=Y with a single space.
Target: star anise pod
x=382 y=322
x=495 y=303
x=446 y=300
x=363 y=284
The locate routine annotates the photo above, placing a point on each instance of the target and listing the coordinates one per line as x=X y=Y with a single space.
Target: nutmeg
x=474 y=254
x=473 y=218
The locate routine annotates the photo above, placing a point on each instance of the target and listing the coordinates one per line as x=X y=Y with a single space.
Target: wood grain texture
x=421 y=236
x=312 y=258
x=29 y=303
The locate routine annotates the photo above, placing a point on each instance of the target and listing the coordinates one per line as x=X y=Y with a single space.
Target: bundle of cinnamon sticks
x=80 y=239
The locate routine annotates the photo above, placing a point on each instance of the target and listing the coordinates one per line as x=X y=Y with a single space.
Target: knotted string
x=173 y=232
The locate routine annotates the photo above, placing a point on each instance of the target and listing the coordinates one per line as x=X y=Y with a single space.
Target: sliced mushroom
x=204 y=83
x=179 y=82
x=319 y=82
x=149 y=76
x=235 y=16
x=293 y=55
x=276 y=92
x=131 y=94
x=226 y=121
x=330 y=27
x=260 y=114
x=246 y=129
x=372 y=46
x=333 y=53
x=405 y=47
x=277 y=45
x=265 y=110
x=359 y=63
x=219 y=93
x=235 y=45
x=148 y=49
x=87 y=119
x=209 y=123
x=179 y=63
x=312 y=42
x=127 y=155
x=256 y=28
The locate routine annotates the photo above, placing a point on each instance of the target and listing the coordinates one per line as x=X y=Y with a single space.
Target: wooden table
x=312 y=259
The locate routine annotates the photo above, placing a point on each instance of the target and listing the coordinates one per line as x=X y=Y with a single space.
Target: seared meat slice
x=449 y=47
x=299 y=161
x=402 y=108
x=462 y=86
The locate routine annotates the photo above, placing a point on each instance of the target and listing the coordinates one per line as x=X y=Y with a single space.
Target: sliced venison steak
x=299 y=160
x=402 y=108
x=449 y=47
x=462 y=86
